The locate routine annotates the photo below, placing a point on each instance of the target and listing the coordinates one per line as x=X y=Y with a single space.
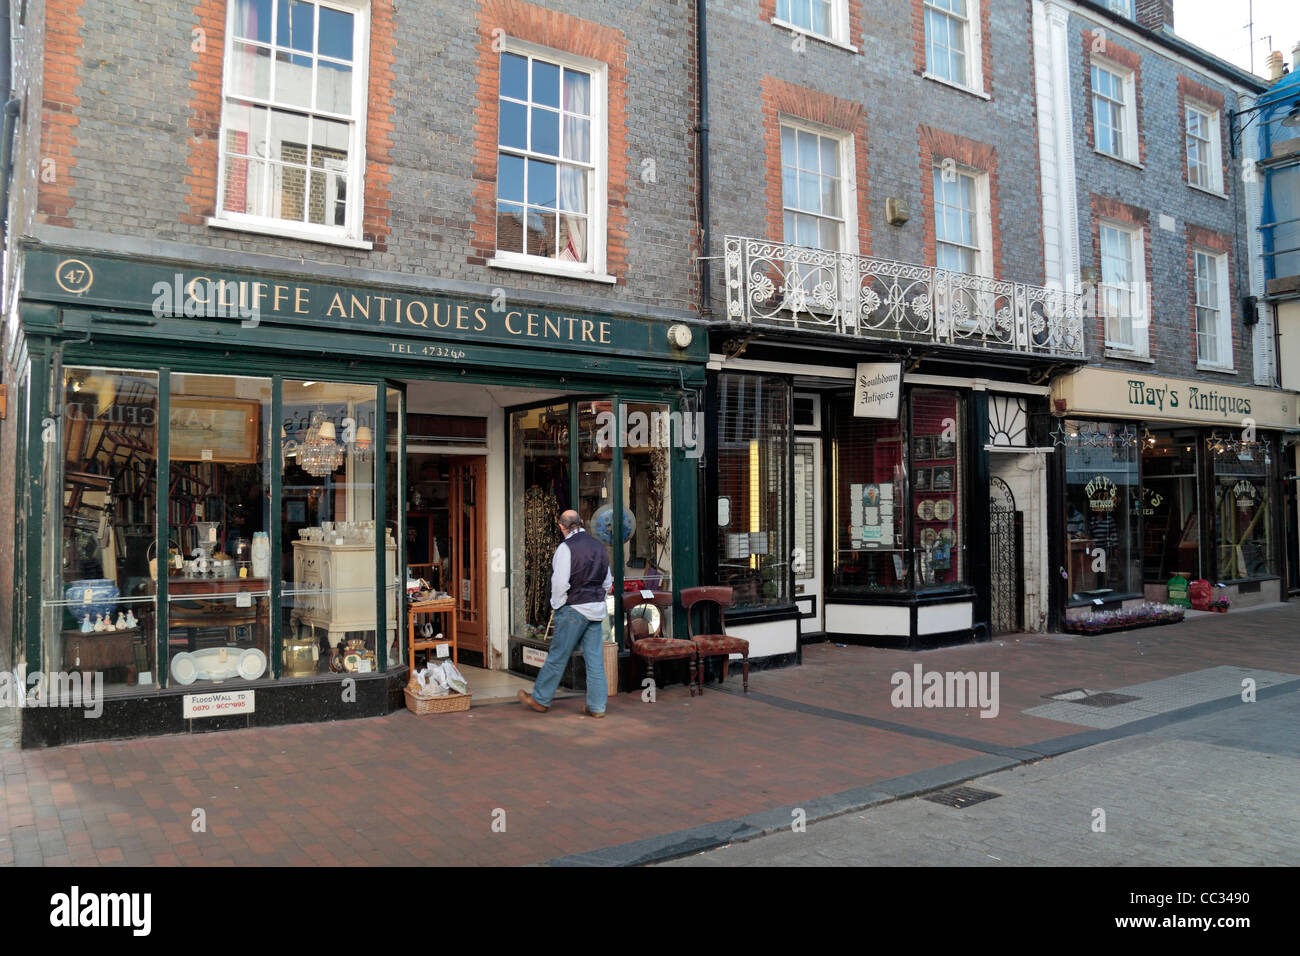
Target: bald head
x=570 y=520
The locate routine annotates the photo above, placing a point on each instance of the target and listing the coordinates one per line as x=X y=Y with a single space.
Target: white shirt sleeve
x=609 y=580
x=560 y=566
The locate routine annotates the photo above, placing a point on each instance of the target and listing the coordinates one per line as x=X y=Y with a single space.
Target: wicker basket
x=436 y=705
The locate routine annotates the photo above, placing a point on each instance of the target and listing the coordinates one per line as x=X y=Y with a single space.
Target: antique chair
x=645 y=634
x=715 y=645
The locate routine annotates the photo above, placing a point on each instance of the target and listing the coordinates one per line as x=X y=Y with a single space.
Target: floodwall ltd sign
x=1123 y=394
x=252 y=299
x=877 y=388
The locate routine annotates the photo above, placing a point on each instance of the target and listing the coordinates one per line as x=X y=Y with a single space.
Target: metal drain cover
x=959 y=798
x=1106 y=700
x=1074 y=694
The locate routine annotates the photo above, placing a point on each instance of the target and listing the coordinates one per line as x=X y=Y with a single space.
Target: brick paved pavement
x=402 y=789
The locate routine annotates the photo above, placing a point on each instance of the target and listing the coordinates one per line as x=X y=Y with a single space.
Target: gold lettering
x=570 y=319
x=299 y=305
x=587 y=326
x=480 y=320
x=461 y=315
x=439 y=312
x=192 y=289
x=356 y=307
x=337 y=303
x=223 y=287
x=424 y=311
x=551 y=324
x=508 y=327
x=259 y=293
x=532 y=324
x=604 y=332
x=281 y=291
x=381 y=299
x=399 y=310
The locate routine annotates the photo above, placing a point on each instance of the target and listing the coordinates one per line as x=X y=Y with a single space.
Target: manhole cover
x=1106 y=700
x=959 y=798
x=1077 y=693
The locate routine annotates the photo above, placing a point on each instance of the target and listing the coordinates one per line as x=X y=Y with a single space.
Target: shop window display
x=1101 y=481
x=753 y=477
x=938 y=479
x=100 y=609
x=540 y=491
x=328 y=530
x=867 y=502
x=1243 y=522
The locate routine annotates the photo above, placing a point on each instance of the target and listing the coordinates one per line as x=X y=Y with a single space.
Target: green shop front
x=230 y=479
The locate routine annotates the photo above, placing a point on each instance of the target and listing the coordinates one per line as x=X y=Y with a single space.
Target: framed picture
x=943 y=479
x=920 y=479
x=921 y=448
x=222 y=430
x=944 y=449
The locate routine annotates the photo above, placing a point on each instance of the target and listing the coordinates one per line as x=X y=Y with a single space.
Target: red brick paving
x=406 y=790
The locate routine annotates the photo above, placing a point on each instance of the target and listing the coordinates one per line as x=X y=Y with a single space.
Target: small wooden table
x=444 y=606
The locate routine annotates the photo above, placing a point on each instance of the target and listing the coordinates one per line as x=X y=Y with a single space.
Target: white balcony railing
x=778 y=284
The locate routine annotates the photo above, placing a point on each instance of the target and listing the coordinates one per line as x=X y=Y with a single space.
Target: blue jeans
x=572 y=629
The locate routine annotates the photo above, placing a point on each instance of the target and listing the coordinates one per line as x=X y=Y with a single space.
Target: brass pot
x=301 y=655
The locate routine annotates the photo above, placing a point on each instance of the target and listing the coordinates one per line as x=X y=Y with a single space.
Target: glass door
x=808 y=532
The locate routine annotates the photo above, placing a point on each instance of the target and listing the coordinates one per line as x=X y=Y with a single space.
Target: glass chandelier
x=320 y=454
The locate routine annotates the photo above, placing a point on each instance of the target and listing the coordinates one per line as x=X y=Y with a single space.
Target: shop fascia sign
x=252 y=299
x=1100 y=391
x=877 y=388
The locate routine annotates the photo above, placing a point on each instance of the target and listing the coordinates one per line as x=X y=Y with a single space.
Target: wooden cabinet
x=336 y=588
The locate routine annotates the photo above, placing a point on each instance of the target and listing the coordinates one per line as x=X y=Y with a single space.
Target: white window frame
x=848 y=179
x=839 y=32
x=1214 y=147
x=598 y=189
x=974 y=82
x=1223 y=360
x=983 y=212
x=348 y=234
x=1123 y=7
x=1139 y=308
x=1129 y=129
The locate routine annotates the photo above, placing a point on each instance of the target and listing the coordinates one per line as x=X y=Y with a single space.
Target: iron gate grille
x=1006 y=561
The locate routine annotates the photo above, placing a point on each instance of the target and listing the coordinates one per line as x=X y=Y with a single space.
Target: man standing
x=580 y=579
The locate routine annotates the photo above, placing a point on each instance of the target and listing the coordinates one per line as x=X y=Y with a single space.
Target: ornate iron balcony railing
x=778 y=284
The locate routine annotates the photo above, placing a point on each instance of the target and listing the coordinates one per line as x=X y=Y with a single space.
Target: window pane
x=938 y=478
x=573 y=189
x=541 y=233
x=514 y=76
x=546 y=84
x=510 y=177
x=250 y=70
x=510 y=228
x=577 y=139
x=830 y=156
x=573 y=238
x=546 y=132
x=541 y=183
x=1243 y=523
x=335 y=33
x=293 y=78
x=513 y=128
x=539 y=469
x=868 y=552
x=333 y=87
x=830 y=197
x=289 y=137
x=807 y=150
x=1101 y=474
x=296 y=25
x=789 y=155
x=577 y=92
x=810 y=192
x=821 y=17
x=830 y=235
x=252 y=20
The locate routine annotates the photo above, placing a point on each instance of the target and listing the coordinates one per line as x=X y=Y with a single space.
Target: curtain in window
x=573 y=181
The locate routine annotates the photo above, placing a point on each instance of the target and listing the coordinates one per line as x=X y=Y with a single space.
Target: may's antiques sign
x=877 y=387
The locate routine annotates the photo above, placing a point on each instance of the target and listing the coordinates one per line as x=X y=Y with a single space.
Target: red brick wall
x=1201 y=238
x=1190 y=89
x=568 y=34
x=782 y=98
x=986 y=41
x=59 y=106
x=938 y=145
x=205 y=120
x=1105 y=208
x=1105 y=47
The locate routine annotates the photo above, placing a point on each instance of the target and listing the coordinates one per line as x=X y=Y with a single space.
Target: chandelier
x=320 y=454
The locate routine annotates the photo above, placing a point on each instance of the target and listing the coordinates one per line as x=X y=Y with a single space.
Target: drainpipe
x=702 y=134
x=12 y=109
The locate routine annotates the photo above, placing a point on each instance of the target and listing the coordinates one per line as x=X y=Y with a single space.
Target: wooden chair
x=715 y=645
x=648 y=644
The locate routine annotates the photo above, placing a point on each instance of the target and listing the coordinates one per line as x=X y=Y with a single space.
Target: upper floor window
x=813 y=188
x=1122 y=7
x=952 y=42
x=960 y=221
x=551 y=167
x=1122 y=281
x=824 y=18
x=1204 y=164
x=1114 y=112
x=1213 y=333
x=294 y=96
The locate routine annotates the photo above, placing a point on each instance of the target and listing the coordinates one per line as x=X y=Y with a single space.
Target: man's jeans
x=571 y=628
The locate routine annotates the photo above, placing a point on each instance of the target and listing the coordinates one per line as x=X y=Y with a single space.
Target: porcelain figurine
x=86 y=626
x=99 y=622
x=131 y=622
x=120 y=623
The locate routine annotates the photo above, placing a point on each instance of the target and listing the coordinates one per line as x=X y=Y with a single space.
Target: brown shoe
x=589 y=713
x=526 y=699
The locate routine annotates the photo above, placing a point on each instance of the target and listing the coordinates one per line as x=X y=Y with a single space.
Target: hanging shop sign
x=1092 y=391
x=250 y=299
x=877 y=387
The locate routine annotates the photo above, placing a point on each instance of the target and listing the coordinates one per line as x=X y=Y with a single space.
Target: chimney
x=1275 y=70
x=1156 y=14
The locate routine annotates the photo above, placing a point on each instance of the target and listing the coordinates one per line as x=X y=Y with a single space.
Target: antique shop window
x=1243 y=533
x=647 y=496
x=539 y=490
x=218 y=599
x=1170 y=506
x=550 y=161
x=100 y=607
x=753 y=489
x=938 y=478
x=867 y=502
x=328 y=530
x=1101 y=483
x=295 y=97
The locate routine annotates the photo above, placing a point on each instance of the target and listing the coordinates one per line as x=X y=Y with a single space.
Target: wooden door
x=466 y=527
